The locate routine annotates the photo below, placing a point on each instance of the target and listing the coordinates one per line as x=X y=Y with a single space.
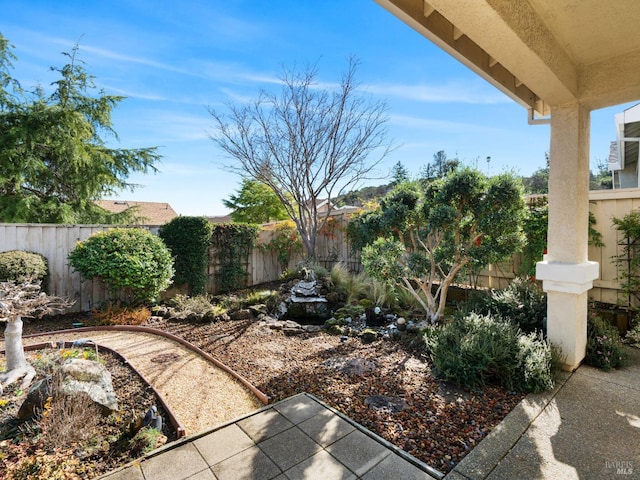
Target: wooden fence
x=56 y=241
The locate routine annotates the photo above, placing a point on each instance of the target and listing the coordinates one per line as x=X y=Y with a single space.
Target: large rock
x=76 y=377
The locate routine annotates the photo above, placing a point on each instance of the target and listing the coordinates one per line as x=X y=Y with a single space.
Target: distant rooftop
x=150 y=213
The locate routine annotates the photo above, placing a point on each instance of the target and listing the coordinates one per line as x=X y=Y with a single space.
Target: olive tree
x=19 y=300
x=307 y=143
x=424 y=234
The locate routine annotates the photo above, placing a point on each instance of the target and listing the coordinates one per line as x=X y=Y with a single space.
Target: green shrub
x=132 y=261
x=349 y=311
x=476 y=350
x=233 y=243
x=633 y=335
x=537 y=364
x=198 y=307
x=18 y=266
x=523 y=303
x=188 y=239
x=605 y=349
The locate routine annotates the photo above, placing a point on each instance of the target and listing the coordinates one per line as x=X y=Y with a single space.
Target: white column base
x=567 y=286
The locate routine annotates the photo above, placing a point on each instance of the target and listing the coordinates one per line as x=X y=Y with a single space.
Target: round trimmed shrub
x=131 y=261
x=18 y=266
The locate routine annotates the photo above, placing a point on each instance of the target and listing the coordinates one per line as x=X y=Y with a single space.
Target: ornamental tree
x=18 y=300
x=424 y=234
x=307 y=143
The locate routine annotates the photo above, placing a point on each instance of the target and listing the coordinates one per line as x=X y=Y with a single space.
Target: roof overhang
x=540 y=53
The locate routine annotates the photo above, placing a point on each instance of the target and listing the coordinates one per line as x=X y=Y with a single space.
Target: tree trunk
x=14 y=349
x=17 y=365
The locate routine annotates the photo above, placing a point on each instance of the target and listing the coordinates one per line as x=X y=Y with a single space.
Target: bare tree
x=307 y=144
x=17 y=301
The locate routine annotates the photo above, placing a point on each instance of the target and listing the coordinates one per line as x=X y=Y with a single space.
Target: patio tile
x=203 y=475
x=359 y=452
x=222 y=444
x=299 y=408
x=395 y=466
x=326 y=427
x=321 y=465
x=289 y=447
x=251 y=464
x=263 y=425
x=174 y=464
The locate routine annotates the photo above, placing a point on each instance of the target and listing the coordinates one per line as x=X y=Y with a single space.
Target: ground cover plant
x=70 y=440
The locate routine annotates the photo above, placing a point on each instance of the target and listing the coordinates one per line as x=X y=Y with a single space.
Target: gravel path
x=199 y=393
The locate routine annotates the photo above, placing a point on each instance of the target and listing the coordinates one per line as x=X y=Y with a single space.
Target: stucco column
x=565 y=272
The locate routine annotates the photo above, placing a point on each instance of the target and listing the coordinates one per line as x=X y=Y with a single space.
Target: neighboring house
x=624 y=152
x=220 y=219
x=323 y=205
x=149 y=213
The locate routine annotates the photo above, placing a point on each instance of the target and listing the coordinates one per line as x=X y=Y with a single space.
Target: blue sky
x=172 y=60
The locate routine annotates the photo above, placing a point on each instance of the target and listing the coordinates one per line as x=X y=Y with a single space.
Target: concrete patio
x=297 y=438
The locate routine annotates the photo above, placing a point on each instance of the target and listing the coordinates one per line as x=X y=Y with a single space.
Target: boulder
x=36 y=398
x=75 y=377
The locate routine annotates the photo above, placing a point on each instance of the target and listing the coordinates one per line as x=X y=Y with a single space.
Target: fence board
x=56 y=241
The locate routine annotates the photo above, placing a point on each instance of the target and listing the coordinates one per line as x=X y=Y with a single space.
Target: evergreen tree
x=255 y=202
x=54 y=161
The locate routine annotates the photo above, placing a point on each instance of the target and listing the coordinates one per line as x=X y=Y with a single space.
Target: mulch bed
x=388 y=387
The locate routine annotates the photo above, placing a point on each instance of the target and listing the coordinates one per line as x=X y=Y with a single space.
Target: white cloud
x=439 y=125
x=454 y=92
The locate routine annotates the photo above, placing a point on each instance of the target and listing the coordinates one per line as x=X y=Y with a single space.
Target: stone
x=312 y=328
x=76 y=376
x=92 y=378
x=384 y=402
x=242 y=314
x=259 y=309
x=153 y=419
x=292 y=331
x=305 y=289
x=350 y=366
x=291 y=324
x=37 y=396
x=368 y=336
